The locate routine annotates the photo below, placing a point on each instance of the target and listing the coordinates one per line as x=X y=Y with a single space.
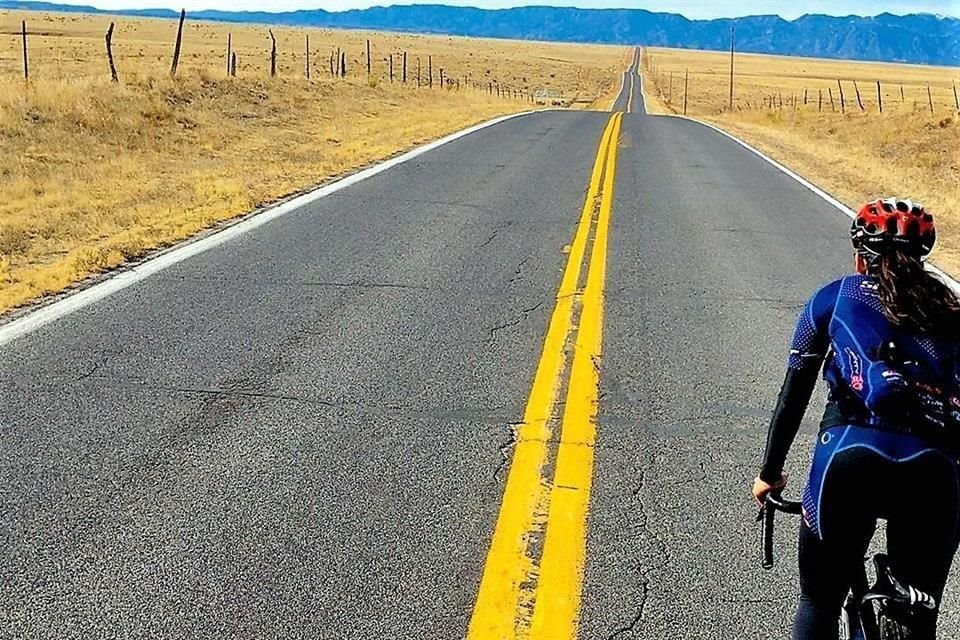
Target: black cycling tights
x=919 y=498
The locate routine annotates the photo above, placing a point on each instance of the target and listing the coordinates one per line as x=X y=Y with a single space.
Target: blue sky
x=690 y=8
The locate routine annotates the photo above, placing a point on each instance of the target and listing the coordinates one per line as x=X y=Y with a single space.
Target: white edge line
x=847 y=211
x=123 y=279
x=643 y=92
x=643 y=85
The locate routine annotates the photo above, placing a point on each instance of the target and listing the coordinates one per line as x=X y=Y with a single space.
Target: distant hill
x=922 y=39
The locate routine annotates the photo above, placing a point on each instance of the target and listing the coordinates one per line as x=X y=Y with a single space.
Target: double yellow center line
x=533 y=575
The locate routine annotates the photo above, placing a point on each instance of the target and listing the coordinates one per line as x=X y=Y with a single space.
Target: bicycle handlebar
x=773 y=503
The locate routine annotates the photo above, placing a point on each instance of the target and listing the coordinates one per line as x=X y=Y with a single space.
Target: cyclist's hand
x=762 y=488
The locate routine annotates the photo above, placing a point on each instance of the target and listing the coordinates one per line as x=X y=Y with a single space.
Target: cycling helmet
x=890 y=224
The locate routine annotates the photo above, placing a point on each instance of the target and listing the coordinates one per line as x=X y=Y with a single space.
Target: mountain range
x=915 y=38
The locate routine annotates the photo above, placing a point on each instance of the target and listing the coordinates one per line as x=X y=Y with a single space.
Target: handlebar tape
x=766 y=532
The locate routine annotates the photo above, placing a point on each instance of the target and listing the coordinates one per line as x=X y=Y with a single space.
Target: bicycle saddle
x=888 y=590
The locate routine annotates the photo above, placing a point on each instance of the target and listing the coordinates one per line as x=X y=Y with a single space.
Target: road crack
x=524 y=314
x=519 y=270
x=661 y=558
x=495 y=233
x=360 y=284
x=509 y=443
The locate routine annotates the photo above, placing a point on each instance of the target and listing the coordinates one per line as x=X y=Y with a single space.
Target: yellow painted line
x=504 y=601
x=557 y=600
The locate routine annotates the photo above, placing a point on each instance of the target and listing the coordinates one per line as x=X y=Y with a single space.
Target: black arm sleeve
x=807 y=352
x=791 y=404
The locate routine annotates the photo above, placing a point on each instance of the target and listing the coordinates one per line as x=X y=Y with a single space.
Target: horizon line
x=10 y=4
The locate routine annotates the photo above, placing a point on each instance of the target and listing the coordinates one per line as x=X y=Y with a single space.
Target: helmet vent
x=890 y=225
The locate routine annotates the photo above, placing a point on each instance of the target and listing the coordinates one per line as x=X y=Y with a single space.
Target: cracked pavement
x=696 y=335
x=297 y=433
x=304 y=432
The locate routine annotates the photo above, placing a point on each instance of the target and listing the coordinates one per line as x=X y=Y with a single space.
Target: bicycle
x=879 y=612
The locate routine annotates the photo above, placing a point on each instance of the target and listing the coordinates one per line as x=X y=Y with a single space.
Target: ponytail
x=912 y=297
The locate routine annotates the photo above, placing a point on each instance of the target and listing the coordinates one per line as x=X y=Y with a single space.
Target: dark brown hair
x=914 y=298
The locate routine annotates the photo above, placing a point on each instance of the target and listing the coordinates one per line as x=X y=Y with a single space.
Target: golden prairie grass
x=94 y=173
x=855 y=155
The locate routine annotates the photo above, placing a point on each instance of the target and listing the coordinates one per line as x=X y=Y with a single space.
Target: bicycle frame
x=858 y=613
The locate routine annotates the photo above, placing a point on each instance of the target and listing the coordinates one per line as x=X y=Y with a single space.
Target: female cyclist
x=887 y=339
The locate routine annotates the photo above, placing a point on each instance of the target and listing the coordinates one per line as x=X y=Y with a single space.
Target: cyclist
x=887 y=339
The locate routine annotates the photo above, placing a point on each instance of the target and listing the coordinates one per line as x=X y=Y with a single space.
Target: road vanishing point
x=515 y=387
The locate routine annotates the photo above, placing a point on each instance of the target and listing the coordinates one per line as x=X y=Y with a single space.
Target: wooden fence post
x=391 y=67
x=732 y=33
x=819 y=100
x=930 y=97
x=441 y=77
x=901 y=92
x=804 y=96
x=686 y=85
x=273 y=54
x=956 y=98
x=430 y=70
x=229 y=50
x=331 y=64
x=833 y=107
x=369 y=68
x=233 y=64
x=418 y=72
x=857 y=90
x=23 y=34
x=843 y=105
x=176 y=46
x=337 y=63
x=308 y=56
x=109 y=40
x=343 y=64
x=404 y=67
x=879 y=98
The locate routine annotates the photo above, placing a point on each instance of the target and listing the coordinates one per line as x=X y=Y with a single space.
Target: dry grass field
x=855 y=154
x=94 y=173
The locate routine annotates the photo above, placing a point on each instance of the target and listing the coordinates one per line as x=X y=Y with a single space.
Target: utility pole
x=732 y=35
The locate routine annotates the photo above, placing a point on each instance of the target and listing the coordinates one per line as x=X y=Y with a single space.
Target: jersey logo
x=869 y=287
x=856 y=371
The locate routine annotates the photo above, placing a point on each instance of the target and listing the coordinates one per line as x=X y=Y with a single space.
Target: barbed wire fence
x=686 y=90
x=341 y=65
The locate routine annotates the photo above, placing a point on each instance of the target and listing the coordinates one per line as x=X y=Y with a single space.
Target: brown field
x=855 y=155
x=94 y=173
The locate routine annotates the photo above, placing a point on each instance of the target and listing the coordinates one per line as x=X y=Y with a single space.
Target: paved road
x=306 y=431
x=630 y=98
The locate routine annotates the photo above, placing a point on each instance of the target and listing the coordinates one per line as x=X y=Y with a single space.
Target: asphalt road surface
x=307 y=431
x=630 y=97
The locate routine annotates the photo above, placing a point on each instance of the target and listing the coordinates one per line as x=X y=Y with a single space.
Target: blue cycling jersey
x=879 y=375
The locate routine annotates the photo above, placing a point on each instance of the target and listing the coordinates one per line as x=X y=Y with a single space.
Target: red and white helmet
x=894 y=225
